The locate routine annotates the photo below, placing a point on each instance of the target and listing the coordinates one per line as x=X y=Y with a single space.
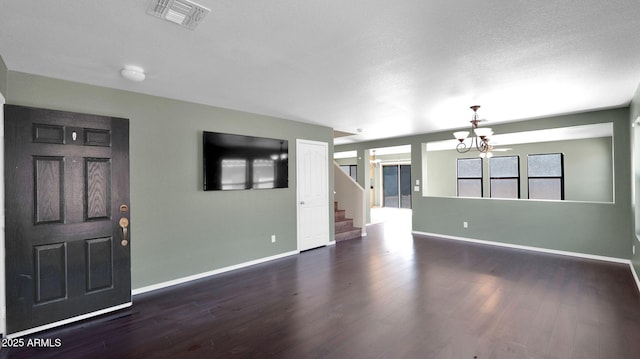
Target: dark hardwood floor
x=390 y=295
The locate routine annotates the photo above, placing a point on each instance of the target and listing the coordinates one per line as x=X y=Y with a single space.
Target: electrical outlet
x=465 y=224
x=634 y=249
x=273 y=238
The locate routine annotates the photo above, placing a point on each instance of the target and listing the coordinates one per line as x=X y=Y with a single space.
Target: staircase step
x=343 y=224
x=349 y=234
x=344 y=228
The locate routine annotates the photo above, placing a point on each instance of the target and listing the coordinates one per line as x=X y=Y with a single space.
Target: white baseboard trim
x=209 y=273
x=635 y=275
x=528 y=248
x=67 y=321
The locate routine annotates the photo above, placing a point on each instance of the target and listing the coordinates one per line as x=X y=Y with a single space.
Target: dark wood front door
x=67 y=192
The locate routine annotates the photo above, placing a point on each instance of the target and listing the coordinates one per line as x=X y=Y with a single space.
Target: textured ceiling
x=388 y=68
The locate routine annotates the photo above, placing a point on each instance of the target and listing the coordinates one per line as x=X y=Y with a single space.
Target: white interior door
x=313 y=193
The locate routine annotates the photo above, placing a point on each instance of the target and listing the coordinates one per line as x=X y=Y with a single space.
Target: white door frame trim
x=3 y=297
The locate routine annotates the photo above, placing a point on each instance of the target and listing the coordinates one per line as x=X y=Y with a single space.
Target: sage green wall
x=591 y=228
x=588 y=168
x=177 y=229
x=634 y=112
x=3 y=78
x=394 y=158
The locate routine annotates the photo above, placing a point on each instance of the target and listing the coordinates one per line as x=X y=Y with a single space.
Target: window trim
x=517 y=178
x=481 y=178
x=561 y=177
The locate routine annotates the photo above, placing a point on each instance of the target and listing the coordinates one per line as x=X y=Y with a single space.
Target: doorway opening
x=390 y=191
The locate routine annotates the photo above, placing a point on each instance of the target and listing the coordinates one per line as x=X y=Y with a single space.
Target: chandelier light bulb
x=461 y=135
x=483 y=132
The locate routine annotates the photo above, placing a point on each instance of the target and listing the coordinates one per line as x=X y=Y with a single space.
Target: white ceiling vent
x=182 y=12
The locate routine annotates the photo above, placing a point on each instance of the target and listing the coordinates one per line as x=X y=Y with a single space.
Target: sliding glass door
x=396 y=186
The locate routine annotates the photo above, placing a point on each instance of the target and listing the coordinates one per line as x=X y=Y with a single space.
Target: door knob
x=124 y=224
x=301 y=202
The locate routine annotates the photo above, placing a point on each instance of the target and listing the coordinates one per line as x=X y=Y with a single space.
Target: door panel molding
x=49 y=189
x=99 y=254
x=97 y=183
x=50 y=262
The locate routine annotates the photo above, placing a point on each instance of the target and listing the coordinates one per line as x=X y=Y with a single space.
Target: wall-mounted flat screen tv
x=237 y=162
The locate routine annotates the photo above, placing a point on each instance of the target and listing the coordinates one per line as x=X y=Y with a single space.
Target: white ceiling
x=391 y=68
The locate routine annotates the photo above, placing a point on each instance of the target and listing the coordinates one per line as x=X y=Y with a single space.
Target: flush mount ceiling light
x=480 y=138
x=133 y=73
x=182 y=12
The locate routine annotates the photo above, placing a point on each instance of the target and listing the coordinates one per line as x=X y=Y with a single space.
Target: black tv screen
x=237 y=162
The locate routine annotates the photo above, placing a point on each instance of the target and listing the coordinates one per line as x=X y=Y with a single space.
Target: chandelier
x=479 y=139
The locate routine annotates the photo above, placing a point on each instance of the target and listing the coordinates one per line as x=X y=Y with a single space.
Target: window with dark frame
x=504 y=180
x=546 y=176
x=351 y=170
x=469 y=177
